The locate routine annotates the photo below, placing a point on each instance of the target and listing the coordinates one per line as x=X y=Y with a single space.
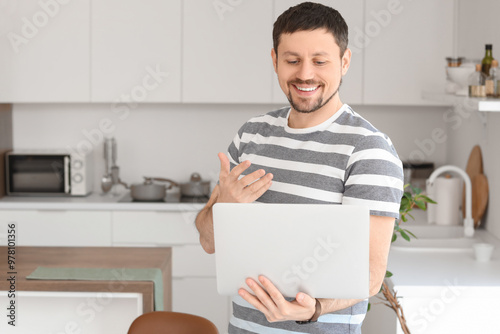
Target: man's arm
x=231 y=189
x=275 y=307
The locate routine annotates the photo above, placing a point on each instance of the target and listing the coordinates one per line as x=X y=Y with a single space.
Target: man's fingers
x=258 y=188
x=250 y=178
x=225 y=167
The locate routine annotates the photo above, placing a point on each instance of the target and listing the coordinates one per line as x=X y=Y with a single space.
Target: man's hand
x=244 y=190
x=269 y=300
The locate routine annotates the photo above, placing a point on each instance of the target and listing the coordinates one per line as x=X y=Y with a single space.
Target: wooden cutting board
x=474 y=167
x=479 y=198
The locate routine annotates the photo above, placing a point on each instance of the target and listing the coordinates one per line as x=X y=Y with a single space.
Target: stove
x=127 y=198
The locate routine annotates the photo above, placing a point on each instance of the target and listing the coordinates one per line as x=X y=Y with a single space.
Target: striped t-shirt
x=344 y=160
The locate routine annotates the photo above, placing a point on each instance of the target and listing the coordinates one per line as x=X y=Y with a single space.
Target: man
x=316 y=151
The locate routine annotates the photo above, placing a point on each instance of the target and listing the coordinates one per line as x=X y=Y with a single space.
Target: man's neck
x=299 y=120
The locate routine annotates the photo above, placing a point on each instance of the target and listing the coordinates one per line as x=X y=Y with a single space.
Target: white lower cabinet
x=56 y=228
x=198 y=295
x=438 y=309
x=194 y=288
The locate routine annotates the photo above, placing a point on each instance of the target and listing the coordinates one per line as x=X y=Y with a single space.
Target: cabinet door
x=136 y=51
x=58 y=228
x=44 y=51
x=227 y=51
x=352 y=83
x=152 y=228
x=199 y=296
x=405 y=45
x=192 y=261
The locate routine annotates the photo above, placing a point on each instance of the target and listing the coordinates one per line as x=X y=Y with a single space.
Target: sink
x=436 y=238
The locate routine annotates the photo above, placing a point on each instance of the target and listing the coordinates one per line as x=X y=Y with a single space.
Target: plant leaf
x=427 y=199
x=421 y=204
x=369 y=306
x=388 y=273
x=394 y=237
x=413 y=235
x=404 y=235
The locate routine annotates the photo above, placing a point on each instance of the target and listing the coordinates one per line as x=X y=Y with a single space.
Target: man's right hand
x=232 y=189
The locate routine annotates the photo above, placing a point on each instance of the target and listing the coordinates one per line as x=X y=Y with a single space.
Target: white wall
x=479 y=25
x=170 y=140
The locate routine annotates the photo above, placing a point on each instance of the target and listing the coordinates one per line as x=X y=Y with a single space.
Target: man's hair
x=311 y=16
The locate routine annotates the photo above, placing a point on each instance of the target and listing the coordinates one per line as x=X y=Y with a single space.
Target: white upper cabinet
x=352 y=11
x=227 y=51
x=136 y=51
x=405 y=45
x=44 y=51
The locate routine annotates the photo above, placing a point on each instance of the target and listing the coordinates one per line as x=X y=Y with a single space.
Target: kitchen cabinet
x=57 y=227
x=405 y=45
x=198 y=295
x=44 y=51
x=449 y=308
x=136 y=51
x=227 y=51
x=193 y=271
x=351 y=89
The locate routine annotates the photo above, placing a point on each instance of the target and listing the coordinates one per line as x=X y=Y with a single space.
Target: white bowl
x=483 y=251
x=460 y=76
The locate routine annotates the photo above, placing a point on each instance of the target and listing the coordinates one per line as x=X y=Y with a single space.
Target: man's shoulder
x=352 y=119
x=367 y=134
x=274 y=114
x=274 y=118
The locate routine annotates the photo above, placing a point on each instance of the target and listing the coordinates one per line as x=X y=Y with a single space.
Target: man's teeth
x=307 y=89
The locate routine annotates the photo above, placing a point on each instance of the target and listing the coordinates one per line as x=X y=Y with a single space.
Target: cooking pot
x=150 y=191
x=196 y=187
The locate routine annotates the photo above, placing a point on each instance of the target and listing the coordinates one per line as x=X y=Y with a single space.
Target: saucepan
x=150 y=190
x=196 y=187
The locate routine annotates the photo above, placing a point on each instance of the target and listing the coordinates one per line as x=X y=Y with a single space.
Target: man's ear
x=346 y=61
x=275 y=59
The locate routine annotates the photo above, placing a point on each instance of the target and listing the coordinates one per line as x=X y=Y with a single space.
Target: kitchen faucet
x=468 y=221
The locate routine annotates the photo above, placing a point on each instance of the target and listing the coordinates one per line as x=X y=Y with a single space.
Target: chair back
x=162 y=322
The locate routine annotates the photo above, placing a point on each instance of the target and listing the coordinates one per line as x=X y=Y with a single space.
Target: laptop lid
x=319 y=249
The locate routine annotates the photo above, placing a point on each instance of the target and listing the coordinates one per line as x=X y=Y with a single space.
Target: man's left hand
x=269 y=300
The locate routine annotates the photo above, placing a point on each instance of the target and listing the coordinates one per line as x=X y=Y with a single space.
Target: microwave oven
x=48 y=173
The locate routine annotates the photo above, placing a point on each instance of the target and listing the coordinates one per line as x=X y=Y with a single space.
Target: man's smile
x=303 y=90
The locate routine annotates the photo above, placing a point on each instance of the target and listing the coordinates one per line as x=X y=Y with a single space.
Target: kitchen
x=173 y=99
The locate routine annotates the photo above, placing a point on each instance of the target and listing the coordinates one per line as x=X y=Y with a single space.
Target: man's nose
x=305 y=71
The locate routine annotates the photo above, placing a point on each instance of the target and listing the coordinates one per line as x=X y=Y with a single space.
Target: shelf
x=480 y=104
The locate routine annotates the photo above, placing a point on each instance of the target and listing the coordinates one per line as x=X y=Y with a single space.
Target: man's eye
x=292 y=62
x=320 y=62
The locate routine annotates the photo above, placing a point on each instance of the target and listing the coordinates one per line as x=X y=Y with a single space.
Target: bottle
x=488 y=58
x=491 y=83
x=477 y=83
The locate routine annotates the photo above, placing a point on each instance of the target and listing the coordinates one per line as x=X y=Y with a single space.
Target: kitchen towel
x=105 y=274
x=447 y=192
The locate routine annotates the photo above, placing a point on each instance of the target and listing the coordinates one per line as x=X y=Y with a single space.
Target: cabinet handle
x=51 y=211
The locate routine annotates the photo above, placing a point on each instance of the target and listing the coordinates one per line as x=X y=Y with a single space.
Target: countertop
x=414 y=269
x=95 y=202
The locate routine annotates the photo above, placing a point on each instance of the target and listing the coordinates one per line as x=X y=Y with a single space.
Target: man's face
x=309 y=68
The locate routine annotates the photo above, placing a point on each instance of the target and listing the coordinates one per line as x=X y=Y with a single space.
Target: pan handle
x=161 y=179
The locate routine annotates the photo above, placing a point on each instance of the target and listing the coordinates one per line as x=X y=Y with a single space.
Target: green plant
x=410 y=199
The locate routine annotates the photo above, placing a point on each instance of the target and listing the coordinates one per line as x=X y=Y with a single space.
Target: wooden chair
x=161 y=322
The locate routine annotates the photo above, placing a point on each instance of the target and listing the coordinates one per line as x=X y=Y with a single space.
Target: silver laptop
x=319 y=249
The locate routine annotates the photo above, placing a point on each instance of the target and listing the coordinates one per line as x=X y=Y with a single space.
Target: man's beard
x=319 y=104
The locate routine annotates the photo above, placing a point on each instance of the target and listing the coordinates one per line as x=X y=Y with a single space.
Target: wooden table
x=27 y=259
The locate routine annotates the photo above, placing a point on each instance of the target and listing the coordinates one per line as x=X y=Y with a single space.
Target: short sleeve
x=374 y=176
x=234 y=149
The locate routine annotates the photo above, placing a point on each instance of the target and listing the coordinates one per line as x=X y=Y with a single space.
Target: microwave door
x=43 y=174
